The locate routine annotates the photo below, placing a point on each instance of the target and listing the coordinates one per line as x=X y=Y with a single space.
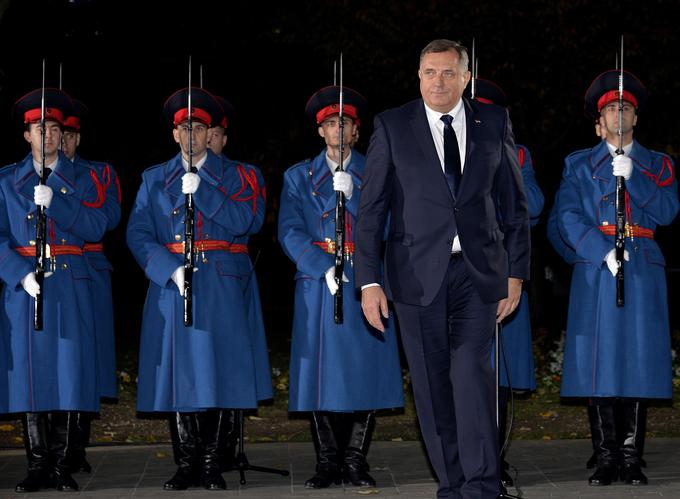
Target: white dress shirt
x=437 y=130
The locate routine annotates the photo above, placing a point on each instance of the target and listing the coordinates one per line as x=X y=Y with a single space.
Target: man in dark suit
x=446 y=171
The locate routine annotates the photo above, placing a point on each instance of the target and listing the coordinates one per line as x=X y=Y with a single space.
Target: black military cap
x=57 y=106
x=78 y=112
x=205 y=108
x=326 y=102
x=227 y=110
x=487 y=92
x=605 y=89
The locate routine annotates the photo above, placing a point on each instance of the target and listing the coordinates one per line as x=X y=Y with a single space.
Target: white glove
x=42 y=195
x=342 y=181
x=178 y=278
x=610 y=260
x=190 y=182
x=30 y=285
x=622 y=166
x=330 y=280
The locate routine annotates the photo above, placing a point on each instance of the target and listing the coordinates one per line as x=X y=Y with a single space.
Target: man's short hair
x=443 y=45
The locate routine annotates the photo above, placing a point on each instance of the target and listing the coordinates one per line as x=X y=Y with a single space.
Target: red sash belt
x=209 y=245
x=629 y=231
x=93 y=247
x=59 y=249
x=329 y=247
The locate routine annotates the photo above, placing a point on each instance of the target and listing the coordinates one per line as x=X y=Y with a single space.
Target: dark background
x=267 y=59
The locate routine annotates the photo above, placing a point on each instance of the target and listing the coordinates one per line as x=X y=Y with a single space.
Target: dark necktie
x=451 y=156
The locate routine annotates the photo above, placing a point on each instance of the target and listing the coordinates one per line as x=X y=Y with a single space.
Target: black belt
x=456 y=254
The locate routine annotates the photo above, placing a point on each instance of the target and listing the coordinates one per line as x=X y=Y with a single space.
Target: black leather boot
x=325 y=443
x=603 y=435
x=592 y=460
x=35 y=440
x=187 y=446
x=630 y=471
x=355 y=467
x=506 y=479
x=211 y=425
x=76 y=458
x=63 y=434
x=226 y=448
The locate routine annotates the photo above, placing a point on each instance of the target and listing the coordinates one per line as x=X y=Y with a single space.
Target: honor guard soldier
x=342 y=373
x=617 y=356
x=52 y=369
x=194 y=371
x=108 y=199
x=516 y=356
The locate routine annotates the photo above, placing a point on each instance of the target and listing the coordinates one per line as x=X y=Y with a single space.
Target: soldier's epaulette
x=580 y=152
x=302 y=164
x=7 y=168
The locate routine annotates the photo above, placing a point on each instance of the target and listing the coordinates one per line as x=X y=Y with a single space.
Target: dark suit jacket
x=404 y=177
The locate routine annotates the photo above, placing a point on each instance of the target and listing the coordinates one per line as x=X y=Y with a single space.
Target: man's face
x=330 y=131
x=442 y=80
x=52 y=138
x=217 y=139
x=69 y=143
x=609 y=118
x=199 y=138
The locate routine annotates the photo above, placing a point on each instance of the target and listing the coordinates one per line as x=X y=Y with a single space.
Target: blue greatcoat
x=214 y=362
x=100 y=270
x=252 y=292
x=52 y=369
x=333 y=367
x=612 y=351
x=516 y=330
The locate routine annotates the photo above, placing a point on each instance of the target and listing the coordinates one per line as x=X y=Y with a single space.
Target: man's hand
x=30 y=285
x=610 y=260
x=42 y=195
x=508 y=305
x=374 y=305
x=622 y=166
x=342 y=181
x=330 y=280
x=190 y=183
x=178 y=278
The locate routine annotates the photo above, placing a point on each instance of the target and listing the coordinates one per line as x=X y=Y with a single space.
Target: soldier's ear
x=27 y=136
x=322 y=134
x=175 y=134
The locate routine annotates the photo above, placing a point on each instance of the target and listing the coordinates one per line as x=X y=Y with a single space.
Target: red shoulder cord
x=521 y=156
x=665 y=165
x=248 y=179
x=101 y=192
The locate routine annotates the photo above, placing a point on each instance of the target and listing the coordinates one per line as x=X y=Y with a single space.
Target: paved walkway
x=544 y=469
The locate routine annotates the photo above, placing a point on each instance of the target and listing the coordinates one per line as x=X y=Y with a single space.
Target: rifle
x=620 y=200
x=41 y=222
x=473 y=80
x=189 y=226
x=340 y=216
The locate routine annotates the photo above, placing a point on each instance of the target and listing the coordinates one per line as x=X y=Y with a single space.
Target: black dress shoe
x=604 y=475
x=506 y=479
x=323 y=479
x=182 y=480
x=631 y=474
x=34 y=481
x=80 y=465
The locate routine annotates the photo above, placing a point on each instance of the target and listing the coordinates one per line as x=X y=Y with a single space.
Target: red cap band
x=349 y=110
x=72 y=122
x=51 y=113
x=613 y=95
x=198 y=115
x=485 y=101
